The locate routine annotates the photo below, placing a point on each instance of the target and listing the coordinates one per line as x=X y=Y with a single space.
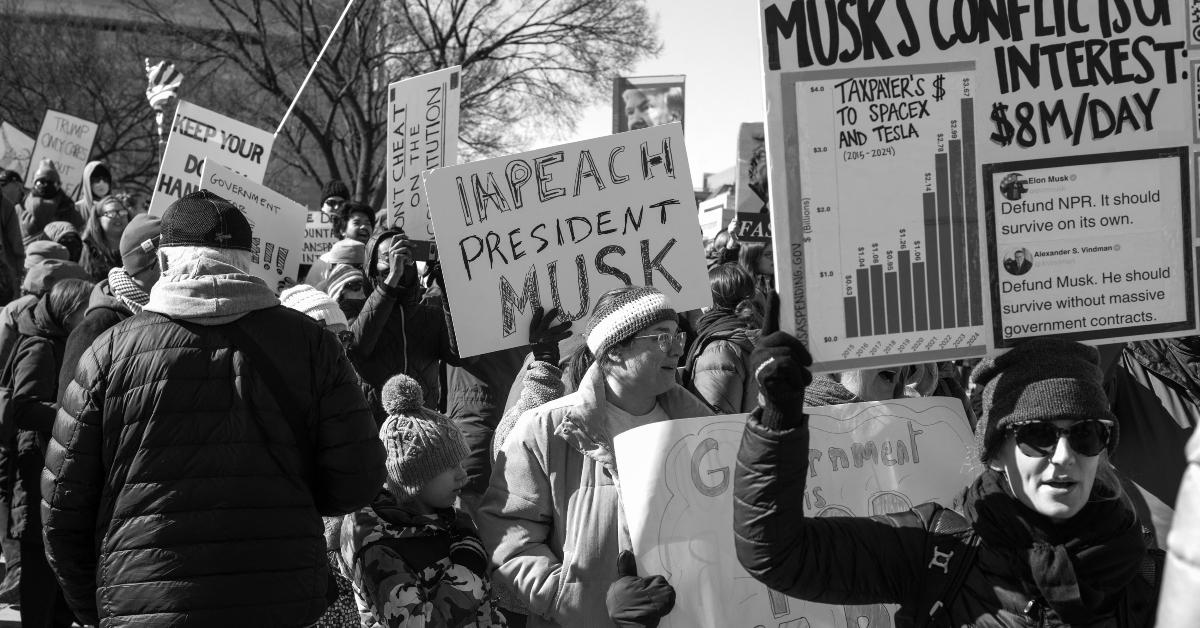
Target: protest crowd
x=185 y=443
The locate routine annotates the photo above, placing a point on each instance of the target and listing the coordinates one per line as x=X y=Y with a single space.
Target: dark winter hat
x=420 y=443
x=44 y=274
x=59 y=229
x=335 y=188
x=139 y=243
x=1040 y=379
x=42 y=250
x=205 y=219
x=47 y=170
x=9 y=176
x=624 y=316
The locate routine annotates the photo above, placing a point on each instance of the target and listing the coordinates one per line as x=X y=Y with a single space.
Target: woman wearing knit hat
x=414 y=559
x=552 y=514
x=1044 y=536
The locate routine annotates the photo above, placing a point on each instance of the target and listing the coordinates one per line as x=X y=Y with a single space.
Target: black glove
x=780 y=364
x=433 y=271
x=635 y=602
x=544 y=336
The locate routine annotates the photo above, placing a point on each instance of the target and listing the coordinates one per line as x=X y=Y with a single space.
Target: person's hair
x=67 y=297
x=730 y=285
x=342 y=217
x=93 y=232
x=720 y=240
x=749 y=255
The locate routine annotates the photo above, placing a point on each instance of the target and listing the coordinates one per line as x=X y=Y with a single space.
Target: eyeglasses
x=116 y=213
x=667 y=340
x=1038 y=439
x=334 y=202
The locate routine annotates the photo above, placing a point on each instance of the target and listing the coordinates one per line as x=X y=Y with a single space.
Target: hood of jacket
x=88 y=171
x=38 y=321
x=103 y=298
x=208 y=290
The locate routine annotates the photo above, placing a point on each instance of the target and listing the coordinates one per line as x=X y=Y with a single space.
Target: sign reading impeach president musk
x=562 y=225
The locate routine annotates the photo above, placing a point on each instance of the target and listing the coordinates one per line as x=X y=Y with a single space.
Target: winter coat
x=881 y=559
x=721 y=373
x=475 y=394
x=550 y=514
x=38 y=212
x=176 y=491
x=104 y=311
x=411 y=570
x=86 y=198
x=10 y=239
x=1178 y=603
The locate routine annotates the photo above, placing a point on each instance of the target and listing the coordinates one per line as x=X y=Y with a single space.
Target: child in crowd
x=414 y=559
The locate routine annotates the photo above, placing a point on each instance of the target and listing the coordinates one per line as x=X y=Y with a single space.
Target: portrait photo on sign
x=646 y=101
x=1018 y=261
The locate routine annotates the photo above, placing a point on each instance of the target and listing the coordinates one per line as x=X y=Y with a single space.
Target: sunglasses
x=667 y=340
x=1038 y=439
x=116 y=213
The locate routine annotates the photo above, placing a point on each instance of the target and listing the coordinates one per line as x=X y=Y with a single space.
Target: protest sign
x=197 y=135
x=277 y=222
x=15 y=149
x=880 y=123
x=864 y=459
x=750 y=182
x=67 y=141
x=422 y=135
x=560 y=226
x=715 y=213
x=645 y=101
x=754 y=227
x=318 y=237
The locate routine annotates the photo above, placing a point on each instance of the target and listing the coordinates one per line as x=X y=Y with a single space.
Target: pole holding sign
x=67 y=141
x=559 y=226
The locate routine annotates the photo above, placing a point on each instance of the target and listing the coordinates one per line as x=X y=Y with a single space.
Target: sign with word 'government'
x=562 y=225
x=67 y=141
x=198 y=135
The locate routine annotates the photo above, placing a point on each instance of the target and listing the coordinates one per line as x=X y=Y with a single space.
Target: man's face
x=645 y=108
x=1020 y=257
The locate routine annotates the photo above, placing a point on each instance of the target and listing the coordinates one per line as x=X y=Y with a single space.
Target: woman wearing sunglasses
x=1044 y=535
x=102 y=236
x=552 y=515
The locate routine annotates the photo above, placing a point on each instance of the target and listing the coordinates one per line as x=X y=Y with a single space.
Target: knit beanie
x=335 y=188
x=420 y=443
x=205 y=219
x=55 y=231
x=313 y=303
x=139 y=243
x=43 y=275
x=42 y=250
x=340 y=276
x=1039 y=379
x=346 y=251
x=624 y=315
x=47 y=170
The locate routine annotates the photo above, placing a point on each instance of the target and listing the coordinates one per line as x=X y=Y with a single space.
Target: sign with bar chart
x=891 y=235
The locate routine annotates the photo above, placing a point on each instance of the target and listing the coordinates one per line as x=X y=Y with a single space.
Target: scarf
x=1079 y=566
x=126 y=291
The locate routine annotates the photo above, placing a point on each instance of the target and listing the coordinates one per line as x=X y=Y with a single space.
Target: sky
x=715 y=44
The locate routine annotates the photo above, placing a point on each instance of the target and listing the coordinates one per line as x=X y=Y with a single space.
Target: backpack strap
x=951 y=547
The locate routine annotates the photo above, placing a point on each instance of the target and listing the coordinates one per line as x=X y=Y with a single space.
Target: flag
x=163 y=80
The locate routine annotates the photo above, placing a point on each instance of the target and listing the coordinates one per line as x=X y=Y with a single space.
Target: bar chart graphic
x=891 y=215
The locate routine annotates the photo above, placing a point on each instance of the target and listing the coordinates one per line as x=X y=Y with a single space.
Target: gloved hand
x=468 y=552
x=544 y=335
x=780 y=366
x=433 y=272
x=635 y=602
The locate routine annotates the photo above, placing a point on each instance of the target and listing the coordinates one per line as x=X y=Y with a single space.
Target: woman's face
x=1056 y=486
x=645 y=365
x=113 y=221
x=766 y=263
x=442 y=491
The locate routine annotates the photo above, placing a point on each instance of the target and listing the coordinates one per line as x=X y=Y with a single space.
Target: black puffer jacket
x=175 y=491
x=882 y=559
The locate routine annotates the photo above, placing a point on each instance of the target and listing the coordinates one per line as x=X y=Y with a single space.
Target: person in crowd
x=191 y=467
x=1045 y=534
x=334 y=194
x=1179 y=605
x=12 y=188
x=349 y=252
x=31 y=374
x=39 y=279
x=99 y=184
x=42 y=250
x=758 y=259
x=555 y=484
x=11 y=243
x=354 y=223
x=67 y=235
x=119 y=296
x=102 y=236
x=46 y=204
x=716 y=368
x=346 y=285
x=414 y=559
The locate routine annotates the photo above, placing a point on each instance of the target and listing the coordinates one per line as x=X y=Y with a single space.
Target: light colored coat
x=1178 y=603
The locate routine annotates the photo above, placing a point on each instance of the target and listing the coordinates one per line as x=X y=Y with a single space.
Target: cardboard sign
x=877 y=153
x=15 y=149
x=197 y=135
x=560 y=226
x=754 y=227
x=277 y=222
x=67 y=141
x=422 y=135
x=640 y=102
x=318 y=236
x=750 y=187
x=715 y=213
x=864 y=459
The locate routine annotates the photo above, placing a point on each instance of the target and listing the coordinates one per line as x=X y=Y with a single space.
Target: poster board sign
x=750 y=184
x=277 y=223
x=198 y=134
x=15 y=149
x=645 y=101
x=878 y=151
x=715 y=213
x=422 y=135
x=865 y=459
x=318 y=237
x=754 y=227
x=562 y=225
x=67 y=141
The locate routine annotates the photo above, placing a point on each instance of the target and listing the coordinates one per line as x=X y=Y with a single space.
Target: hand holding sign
x=780 y=364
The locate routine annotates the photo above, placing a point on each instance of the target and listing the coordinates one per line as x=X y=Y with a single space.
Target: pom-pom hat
x=421 y=444
x=625 y=315
x=313 y=303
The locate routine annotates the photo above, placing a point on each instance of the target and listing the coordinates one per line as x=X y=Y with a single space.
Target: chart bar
x=864 y=301
x=906 y=290
x=918 y=275
x=945 y=240
x=891 y=285
x=958 y=224
x=972 y=214
x=851 y=317
x=878 y=303
x=932 y=278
